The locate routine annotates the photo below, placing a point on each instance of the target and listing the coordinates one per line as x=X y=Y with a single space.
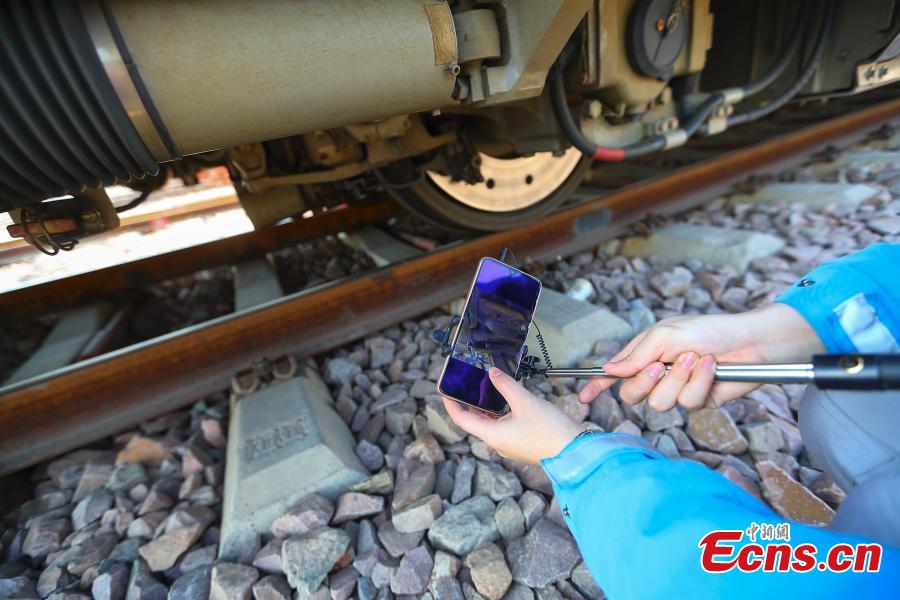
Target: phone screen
x=492 y=333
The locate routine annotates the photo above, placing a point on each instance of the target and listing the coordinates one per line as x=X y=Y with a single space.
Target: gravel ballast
x=442 y=515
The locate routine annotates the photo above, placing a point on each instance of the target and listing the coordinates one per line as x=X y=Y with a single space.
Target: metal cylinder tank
x=226 y=72
x=98 y=92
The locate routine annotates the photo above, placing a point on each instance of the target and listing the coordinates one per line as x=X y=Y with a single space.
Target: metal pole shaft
x=777 y=373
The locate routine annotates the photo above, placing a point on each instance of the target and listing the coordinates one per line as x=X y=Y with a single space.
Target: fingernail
x=708 y=362
x=656 y=370
x=494 y=373
x=688 y=360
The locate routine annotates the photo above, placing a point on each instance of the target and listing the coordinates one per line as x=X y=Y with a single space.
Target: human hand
x=694 y=344
x=533 y=429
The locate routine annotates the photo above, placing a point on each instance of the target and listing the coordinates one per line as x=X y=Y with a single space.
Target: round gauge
x=657 y=31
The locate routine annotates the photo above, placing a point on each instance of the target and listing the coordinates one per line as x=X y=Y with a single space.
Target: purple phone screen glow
x=492 y=333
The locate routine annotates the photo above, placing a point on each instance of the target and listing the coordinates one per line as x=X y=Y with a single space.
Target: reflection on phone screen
x=492 y=334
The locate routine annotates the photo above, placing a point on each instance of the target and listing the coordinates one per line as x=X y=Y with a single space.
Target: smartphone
x=494 y=325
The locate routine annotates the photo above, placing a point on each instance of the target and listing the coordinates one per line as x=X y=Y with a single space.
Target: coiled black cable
x=544 y=351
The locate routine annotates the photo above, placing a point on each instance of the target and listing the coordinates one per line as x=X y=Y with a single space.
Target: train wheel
x=514 y=192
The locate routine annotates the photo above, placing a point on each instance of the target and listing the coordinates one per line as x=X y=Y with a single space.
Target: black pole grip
x=857 y=371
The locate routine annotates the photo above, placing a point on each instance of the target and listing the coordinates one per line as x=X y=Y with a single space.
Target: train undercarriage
x=475 y=116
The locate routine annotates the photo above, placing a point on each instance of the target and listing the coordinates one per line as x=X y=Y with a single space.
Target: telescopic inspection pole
x=826 y=371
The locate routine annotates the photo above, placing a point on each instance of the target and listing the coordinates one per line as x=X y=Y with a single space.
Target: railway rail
x=49 y=414
x=60 y=293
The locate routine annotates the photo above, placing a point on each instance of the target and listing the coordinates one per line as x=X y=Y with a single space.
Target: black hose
x=561 y=111
x=808 y=69
x=134 y=202
x=655 y=144
x=778 y=67
x=696 y=121
x=693 y=122
x=571 y=130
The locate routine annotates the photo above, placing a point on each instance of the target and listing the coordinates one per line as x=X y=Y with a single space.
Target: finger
x=594 y=388
x=695 y=392
x=628 y=347
x=664 y=395
x=516 y=395
x=639 y=387
x=649 y=349
x=471 y=421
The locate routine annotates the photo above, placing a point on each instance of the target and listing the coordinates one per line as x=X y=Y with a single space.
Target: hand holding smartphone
x=497 y=315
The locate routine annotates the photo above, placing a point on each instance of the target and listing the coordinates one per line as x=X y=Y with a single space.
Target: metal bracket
x=877 y=73
x=718 y=120
x=442 y=336
x=56 y=225
x=528 y=367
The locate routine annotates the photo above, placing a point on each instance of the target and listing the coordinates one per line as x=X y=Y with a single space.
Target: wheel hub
x=511 y=184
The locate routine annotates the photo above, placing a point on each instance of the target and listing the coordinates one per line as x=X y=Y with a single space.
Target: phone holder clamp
x=442 y=336
x=528 y=366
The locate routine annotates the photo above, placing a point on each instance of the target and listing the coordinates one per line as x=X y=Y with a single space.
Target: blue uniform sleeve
x=853 y=303
x=639 y=518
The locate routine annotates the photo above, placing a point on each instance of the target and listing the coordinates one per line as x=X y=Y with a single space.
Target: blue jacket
x=639 y=517
x=853 y=303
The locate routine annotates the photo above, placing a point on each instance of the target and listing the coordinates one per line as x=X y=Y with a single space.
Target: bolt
x=245 y=383
x=672 y=22
x=284 y=368
x=91 y=217
x=454 y=68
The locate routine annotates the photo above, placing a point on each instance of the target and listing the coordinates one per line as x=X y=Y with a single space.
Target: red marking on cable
x=609 y=154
